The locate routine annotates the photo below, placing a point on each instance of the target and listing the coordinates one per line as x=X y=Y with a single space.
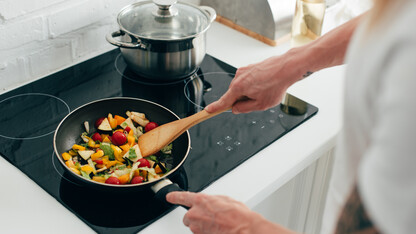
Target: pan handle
x=163 y=187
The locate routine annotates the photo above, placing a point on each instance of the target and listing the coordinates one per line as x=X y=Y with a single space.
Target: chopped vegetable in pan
x=111 y=154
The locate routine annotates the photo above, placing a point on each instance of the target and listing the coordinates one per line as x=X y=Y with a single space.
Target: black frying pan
x=71 y=127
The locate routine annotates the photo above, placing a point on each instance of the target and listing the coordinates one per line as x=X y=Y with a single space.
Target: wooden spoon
x=153 y=141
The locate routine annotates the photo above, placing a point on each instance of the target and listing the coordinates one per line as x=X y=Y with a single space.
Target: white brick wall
x=40 y=37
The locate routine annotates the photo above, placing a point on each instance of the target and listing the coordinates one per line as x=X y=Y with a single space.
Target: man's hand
x=220 y=214
x=259 y=86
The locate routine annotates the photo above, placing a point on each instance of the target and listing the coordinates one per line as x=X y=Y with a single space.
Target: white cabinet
x=299 y=204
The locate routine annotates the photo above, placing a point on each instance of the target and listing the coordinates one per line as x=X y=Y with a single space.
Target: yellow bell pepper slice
x=75 y=170
x=91 y=144
x=97 y=155
x=131 y=140
x=158 y=170
x=124 y=179
x=111 y=163
x=112 y=121
x=105 y=159
x=78 y=147
x=106 y=139
x=119 y=119
x=70 y=164
x=66 y=156
x=125 y=147
x=99 y=179
x=118 y=153
x=87 y=168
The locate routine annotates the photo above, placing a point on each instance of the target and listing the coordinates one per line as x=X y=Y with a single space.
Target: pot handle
x=210 y=11
x=162 y=188
x=110 y=38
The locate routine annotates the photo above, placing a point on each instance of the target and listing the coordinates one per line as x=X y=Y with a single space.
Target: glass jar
x=307 y=21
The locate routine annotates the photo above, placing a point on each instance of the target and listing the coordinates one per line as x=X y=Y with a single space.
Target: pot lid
x=165 y=19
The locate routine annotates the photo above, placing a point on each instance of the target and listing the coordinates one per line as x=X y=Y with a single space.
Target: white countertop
x=26 y=208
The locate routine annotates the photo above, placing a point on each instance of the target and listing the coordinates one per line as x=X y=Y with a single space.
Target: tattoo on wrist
x=308 y=73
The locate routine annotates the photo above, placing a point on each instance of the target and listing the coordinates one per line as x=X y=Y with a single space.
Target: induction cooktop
x=31 y=113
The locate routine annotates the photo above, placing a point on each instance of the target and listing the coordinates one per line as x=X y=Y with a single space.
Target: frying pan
x=71 y=127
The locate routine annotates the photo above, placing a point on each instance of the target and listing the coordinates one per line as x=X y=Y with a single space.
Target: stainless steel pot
x=163 y=39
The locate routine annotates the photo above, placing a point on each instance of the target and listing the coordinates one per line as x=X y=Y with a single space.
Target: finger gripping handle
x=161 y=194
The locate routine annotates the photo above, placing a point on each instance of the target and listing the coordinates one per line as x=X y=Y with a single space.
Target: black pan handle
x=164 y=187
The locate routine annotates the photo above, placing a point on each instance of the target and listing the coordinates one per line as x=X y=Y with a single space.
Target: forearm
x=326 y=51
x=262 y=85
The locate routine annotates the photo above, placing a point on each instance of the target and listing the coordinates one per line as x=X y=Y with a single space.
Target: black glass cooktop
x=30 y=114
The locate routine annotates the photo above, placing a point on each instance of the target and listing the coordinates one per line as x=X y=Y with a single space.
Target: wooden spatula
x=153 y=141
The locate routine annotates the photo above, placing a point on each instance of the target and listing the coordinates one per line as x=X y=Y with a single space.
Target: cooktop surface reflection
x=31 y=113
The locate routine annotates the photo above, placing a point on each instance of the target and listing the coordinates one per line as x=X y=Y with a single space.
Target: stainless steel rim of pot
x=60 y=159
x=209 y=12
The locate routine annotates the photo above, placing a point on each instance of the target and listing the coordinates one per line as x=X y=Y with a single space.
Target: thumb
x=227 y=100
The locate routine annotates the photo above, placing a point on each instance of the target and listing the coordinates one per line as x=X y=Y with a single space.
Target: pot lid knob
x=165 y=8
